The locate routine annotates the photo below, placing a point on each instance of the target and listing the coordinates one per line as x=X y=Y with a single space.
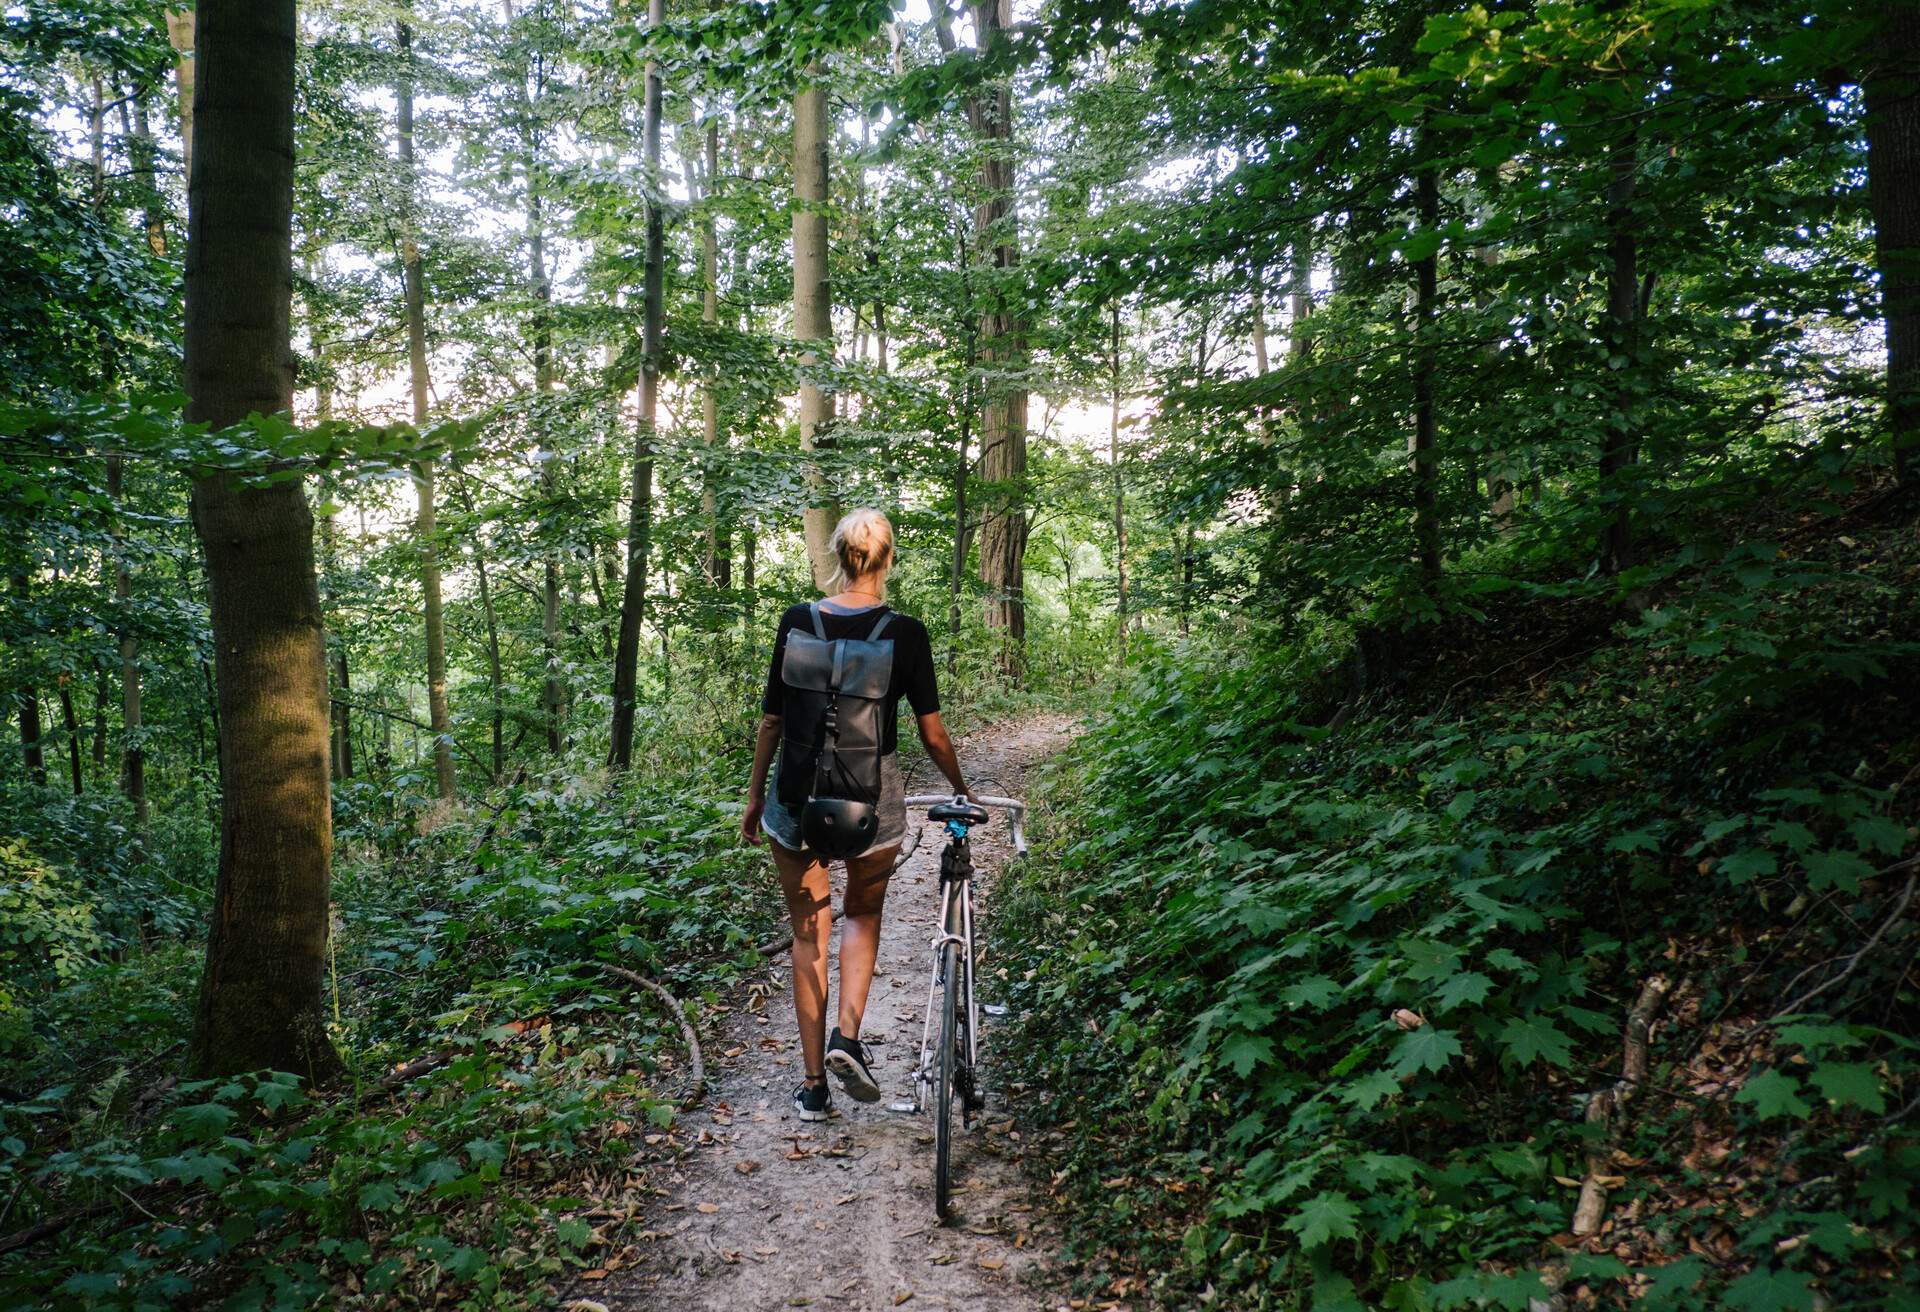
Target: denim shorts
x=783 y=826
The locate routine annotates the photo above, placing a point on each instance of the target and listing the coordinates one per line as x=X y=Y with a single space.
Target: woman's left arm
x=763 y=745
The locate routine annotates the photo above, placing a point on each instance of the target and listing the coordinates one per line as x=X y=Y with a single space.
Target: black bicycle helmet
x=837 y=827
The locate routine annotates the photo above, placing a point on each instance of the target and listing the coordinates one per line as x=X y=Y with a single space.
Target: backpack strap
x=885 y=620
x=819 y=629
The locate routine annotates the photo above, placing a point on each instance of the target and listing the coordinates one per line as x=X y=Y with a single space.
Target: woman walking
x=830 y=689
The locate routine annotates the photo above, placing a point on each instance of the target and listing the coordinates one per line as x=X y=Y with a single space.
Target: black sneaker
x=847 y=1059
x=813 y=1102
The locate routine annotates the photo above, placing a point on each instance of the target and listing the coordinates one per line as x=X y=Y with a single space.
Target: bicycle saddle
x=965 y=813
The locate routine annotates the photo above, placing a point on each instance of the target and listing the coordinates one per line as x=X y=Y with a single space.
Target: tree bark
x=1623 y=302
x=260 y=994
x=1119 y=489
x=553 y=691
x=633 y=600
x=426 y=527
x=1425 y=459
x=1892 y=86
x=719 y=549
x=1003 y=415
x=71 y=723
x=1259 y=323
x=1300 y=296
x=813 y=308
x=180 y=35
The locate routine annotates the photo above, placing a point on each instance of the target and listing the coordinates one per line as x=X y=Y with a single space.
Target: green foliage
x=1349 y=985
x=46 y=934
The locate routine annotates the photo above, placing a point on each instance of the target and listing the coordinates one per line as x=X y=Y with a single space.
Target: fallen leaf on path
x=708 y=1208
x=992 y=1263
x=902 y=1297
x=942 y=1259
x=598 y=1273
x=585 y=1305
x=747 y=1167
x=765 y=1250
x=845 y=1199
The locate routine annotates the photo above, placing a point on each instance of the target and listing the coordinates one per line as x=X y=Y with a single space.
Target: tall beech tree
x=813 y=305
x=260 y=994
x=633 y=599
x=426 y=524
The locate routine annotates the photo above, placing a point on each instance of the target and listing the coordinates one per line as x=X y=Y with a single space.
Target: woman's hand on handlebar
x=750 y=818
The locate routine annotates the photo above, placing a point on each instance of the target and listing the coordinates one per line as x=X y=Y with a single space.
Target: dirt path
x=763 y=1211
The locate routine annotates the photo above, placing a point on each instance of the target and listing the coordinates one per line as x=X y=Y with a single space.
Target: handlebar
x=1016 y=812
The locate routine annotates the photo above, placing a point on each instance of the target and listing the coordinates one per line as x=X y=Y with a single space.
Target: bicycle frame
x=955 y=926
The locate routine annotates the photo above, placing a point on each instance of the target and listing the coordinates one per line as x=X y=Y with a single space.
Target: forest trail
x=763 y=1211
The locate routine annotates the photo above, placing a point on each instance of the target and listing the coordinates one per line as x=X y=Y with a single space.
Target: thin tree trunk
x=1300 y=296
x=260 y=995
x=1892 y=85
x=1119 y=487
x=180 y=35
x=553 y=689
x=426 y=528
x=633 y=600
x=813 y=307
x=1259 y=322
x=1425 y=458
x=719 y=549
x=1623 y=301
x=100 y=720
x=32 y=752
x=959 y=570
x=133 y=756
x=71 y=722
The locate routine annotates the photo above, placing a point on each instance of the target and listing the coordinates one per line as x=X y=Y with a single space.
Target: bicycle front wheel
x=946 y=1073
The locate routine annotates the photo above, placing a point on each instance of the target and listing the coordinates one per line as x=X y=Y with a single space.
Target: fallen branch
x=1607 y=1108
x=1853 y=962
x=53 y=1225
x=698 y=1089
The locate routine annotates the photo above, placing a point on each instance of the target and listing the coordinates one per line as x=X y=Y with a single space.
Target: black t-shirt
x=912 y=662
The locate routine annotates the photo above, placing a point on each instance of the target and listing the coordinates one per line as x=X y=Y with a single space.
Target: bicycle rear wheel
x=946 y=1074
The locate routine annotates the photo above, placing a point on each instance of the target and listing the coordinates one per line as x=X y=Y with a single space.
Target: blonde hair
x=862 y=544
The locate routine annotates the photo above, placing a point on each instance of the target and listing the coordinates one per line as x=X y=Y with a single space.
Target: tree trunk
x=1003 y=416
x=633 y=600
x=133 y=757
x=1425 y=459
x=426 y=528
x=180 y=36
x=1623 y=301
x=553 y=690
x=260 y=995
x=1300 y=296
x=71 y=722
x=719 y=549
x=1119 y=488
x=813 y=308
x=1259 y=323
x=1892 y=87
x=100 y=719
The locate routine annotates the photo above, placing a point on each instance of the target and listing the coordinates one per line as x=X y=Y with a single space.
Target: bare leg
x=860 y=938
x=810 y=906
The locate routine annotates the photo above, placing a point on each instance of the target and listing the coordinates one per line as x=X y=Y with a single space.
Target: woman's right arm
x=939 y=746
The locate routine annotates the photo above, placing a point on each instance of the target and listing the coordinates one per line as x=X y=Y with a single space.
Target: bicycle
x=952 y=1071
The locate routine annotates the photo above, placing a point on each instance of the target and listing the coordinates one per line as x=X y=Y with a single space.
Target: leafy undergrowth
x=468 y=937
x=1318 y=995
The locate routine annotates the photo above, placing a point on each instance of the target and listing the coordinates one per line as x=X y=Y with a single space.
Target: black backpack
x=832 y=724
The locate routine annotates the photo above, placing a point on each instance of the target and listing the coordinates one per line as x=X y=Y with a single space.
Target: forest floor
x=761 y=1210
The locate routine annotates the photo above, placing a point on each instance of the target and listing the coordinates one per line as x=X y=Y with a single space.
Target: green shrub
x=47 y=934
